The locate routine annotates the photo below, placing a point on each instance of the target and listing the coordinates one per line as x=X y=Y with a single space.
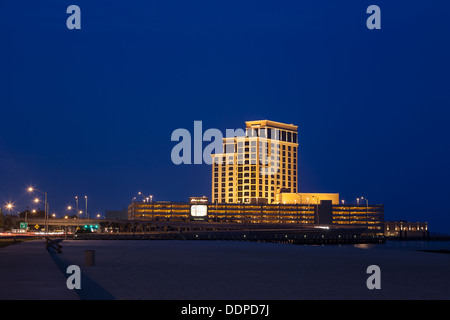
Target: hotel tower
x=254 y=167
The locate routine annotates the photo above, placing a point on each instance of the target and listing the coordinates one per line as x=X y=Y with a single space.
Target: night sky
x=91 y=111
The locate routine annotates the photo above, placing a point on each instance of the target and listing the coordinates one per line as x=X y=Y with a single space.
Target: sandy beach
x=250 y=270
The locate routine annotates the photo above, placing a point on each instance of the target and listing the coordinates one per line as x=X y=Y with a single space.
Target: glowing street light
x=31 y=189
x=367 y=210
x=78 y=212
x=9 y=206
x=367 y=201
x=145 y=199
x=143 y=196
x=317 y=199
x=87 y=214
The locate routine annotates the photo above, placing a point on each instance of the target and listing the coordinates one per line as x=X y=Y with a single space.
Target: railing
x=53 y=244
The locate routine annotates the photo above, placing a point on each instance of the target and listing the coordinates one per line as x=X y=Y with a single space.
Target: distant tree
x=30 y=214
x=8 y=223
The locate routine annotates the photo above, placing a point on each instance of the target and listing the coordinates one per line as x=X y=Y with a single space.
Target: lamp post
x=69 y=207
x=367 y=210
x=141 y=194
x=78 y=211
x=87 y=214
x=36 y=200
x=31 y=189
x=9 y=206
x=216 y=209
x=301 y=206
x=317 y=199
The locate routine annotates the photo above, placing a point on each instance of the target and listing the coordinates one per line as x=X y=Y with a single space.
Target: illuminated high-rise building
x=253 y=167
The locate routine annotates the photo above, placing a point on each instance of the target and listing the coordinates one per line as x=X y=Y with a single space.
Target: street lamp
x=317 y=199
x=141 y=194
x=69 y=208
x=87 y=214
x=9 y=206
x=31 y=189
x=367 y=210
x=78 y=212
x=145 y=199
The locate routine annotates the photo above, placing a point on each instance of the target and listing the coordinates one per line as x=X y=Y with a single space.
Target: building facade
x=254 y=167
x=308 y=198
x=324 y=213
x=405 y=229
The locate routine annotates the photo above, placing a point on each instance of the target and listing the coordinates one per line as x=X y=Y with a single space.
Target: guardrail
x=53 y=244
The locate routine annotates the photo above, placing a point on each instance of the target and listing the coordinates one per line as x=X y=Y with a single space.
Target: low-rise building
x=405 y=229
x=323 y=213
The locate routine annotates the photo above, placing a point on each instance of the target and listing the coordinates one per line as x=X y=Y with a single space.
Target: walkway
x=28 y=272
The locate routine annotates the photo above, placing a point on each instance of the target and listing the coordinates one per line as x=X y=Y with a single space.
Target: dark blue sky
x=91 y=111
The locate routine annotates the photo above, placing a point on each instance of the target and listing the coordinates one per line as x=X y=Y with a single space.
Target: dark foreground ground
x=226 y=270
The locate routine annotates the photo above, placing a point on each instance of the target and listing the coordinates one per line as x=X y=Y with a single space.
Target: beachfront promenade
x=228 y=270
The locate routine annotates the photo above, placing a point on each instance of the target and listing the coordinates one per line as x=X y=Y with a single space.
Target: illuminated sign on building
x=199 y=210
x=199 y=207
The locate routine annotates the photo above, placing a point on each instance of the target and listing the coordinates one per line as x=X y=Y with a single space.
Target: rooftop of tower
x=270 y=124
